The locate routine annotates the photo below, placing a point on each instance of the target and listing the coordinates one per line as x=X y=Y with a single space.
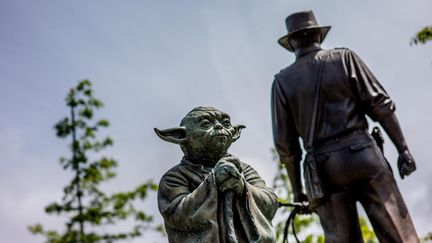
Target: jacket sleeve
x=285 y=135
x=374 y=99
x=184 y=209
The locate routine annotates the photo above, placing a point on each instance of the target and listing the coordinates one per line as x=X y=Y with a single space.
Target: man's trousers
x=360 y=173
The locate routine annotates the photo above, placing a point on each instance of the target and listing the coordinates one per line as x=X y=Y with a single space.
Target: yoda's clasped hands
x=229 y=175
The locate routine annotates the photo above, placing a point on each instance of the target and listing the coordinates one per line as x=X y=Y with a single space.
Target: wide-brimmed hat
x=299 y=22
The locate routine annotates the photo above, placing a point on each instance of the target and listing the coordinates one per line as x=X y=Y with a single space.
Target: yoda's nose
x=218 y=125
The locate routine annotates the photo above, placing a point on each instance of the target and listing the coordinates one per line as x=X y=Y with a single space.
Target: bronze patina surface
x=344 y=164
x=212 y=196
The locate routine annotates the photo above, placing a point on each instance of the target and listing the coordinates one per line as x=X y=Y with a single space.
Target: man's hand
x=302 y=200
x=300 y=197
x=406 y=164
x=228 y=176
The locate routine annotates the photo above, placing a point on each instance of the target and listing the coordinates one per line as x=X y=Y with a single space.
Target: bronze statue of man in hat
x=324 y=98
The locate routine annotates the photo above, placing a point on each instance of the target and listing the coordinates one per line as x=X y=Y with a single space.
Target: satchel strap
x=318 y=78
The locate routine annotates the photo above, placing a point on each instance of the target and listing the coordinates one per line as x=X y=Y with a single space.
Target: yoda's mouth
x=221 y=135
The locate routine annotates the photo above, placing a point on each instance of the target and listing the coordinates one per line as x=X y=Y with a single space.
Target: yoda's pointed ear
x=175 y=135
x=237 y=133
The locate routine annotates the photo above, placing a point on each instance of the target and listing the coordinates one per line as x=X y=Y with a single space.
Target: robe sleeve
x=187 y=210
x=263 y=197
x=374 y=99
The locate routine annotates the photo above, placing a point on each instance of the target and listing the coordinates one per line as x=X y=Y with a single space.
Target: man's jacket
x=348 y=92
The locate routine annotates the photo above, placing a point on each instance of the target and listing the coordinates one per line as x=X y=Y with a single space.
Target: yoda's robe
x=193 y=209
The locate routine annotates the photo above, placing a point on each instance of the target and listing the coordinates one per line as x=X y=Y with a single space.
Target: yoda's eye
x=205 y=123
x=226 y=123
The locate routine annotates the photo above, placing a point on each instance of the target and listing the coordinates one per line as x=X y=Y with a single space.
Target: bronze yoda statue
x=211 y=196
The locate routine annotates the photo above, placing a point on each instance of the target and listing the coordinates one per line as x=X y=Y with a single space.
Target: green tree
x=303 y=224
x=423 y=36
x=85 y=205
x=427 y=238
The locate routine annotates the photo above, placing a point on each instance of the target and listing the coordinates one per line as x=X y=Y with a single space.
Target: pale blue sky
x=153 y=61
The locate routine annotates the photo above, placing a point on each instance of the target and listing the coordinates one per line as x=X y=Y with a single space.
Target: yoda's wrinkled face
x=204 y=135
x=209 y=134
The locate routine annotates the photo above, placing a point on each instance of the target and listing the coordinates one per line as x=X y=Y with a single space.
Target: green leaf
x=423 y=36
x=53 y=208
x=106 y=163
x=103 y=123
x=108 y=142
x=88 y=92
x=87 y=113
x=87 y=145
x=63 y=128
x=154 y=187
x=90 y=132
x=35 y=229
x=83 y=84
x=95 y=103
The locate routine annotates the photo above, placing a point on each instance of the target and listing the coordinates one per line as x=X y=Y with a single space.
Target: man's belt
x=356 y=137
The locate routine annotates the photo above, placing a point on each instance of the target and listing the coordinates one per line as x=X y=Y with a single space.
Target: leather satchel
x=314 y=187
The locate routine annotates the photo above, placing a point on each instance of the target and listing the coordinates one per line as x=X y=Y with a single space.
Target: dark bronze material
x=301 y=22
x=346 y=161
x=211 y=196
